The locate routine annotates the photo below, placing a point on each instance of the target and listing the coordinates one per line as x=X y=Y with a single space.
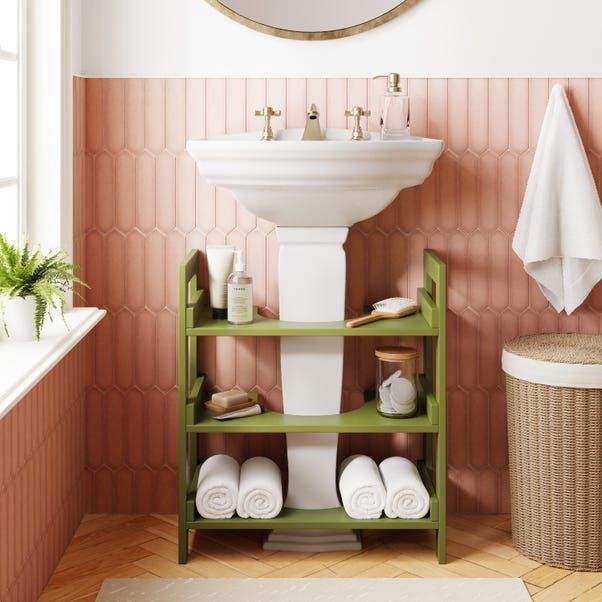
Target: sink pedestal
x=311 y=272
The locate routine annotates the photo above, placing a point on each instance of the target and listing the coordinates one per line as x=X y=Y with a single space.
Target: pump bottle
x=394 y=110
x=240 y=293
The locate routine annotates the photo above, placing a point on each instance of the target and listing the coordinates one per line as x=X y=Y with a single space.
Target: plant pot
x=19 y=317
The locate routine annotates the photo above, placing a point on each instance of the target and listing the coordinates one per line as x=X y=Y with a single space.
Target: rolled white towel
x=260 y=490
x=361 y=487
x=407 y=496
x=217 y=488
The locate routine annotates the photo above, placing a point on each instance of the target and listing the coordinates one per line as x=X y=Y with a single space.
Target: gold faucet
x=312 y=125
x=357 y=113
x=268 y=113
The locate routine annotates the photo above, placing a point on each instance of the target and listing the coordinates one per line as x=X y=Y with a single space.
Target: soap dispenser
x=394 y=110
x=240 y=293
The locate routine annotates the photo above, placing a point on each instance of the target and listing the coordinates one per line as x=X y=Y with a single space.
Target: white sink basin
x=333 y=182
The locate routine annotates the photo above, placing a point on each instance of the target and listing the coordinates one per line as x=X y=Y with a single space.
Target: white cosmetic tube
x=220 y=260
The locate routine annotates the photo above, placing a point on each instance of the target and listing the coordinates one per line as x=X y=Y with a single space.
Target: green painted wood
x=197 y=388
x=194 y=321
x=428 y=309
x=432 y=408
x=436 y=278
x=188 y=270
x=332 y=518
x=363 y=420
x=414 y=325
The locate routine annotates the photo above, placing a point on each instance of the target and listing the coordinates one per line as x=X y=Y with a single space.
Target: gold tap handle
x=267 y=113
x=357 y=113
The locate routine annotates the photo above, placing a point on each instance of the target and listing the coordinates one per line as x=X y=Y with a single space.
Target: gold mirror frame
x=313 y=35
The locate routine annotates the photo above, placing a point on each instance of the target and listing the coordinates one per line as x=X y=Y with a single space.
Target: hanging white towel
x=407 y=496
x=361 y=487
x=559 y=232
x=260 y=491
x=217 y=489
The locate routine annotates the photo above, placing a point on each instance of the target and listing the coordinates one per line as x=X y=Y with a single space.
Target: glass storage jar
x=396 y=390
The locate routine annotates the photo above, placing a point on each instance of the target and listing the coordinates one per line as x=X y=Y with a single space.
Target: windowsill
x=23 y=365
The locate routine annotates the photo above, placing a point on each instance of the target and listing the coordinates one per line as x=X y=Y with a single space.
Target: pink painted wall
x=42 y=464
x=144 y=206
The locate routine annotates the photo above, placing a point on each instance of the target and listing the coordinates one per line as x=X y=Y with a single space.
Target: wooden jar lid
x=396 y=354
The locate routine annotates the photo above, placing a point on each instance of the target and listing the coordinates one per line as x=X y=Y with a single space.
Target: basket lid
x=396 y=354
x=563 y=360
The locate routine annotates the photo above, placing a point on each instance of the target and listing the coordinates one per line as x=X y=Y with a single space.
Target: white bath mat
x=314 y=590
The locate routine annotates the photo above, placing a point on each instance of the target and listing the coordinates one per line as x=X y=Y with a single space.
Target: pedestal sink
x=313 y=191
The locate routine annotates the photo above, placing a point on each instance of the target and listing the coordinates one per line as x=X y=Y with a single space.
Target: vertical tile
x=595 y=111
x=236 y=112
x=538 y=101
x=154 y=114
x=437 y=109
x=124 y=349
x=498 y=439
x=337 y=103
x=175 y=115
x=499 y=115
x=185 y=192
x=418 y=93
x=155 y=415
x=478 y=421
x=490 y=348
x=125 y=199
x=165 y=356
x=255 y=99
x=165 y=187
x=518 y=114
x=154 y=268
x=136 y=446
x=135 y=271
x=104 y=192
x=145 y=192
x=114 y=261
x=134 y=114
x=457 y=115
x=114 y=431
x=478 y=115
x=296 y=103
x=114 y=114
x=94 y=115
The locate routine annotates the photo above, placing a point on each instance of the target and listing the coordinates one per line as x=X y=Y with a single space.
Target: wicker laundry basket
x=554 y=394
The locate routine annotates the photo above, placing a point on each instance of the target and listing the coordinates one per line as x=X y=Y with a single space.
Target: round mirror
x=311 y=19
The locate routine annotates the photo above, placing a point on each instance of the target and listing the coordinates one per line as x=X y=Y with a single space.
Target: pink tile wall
x=42 y=461
x=145 y=206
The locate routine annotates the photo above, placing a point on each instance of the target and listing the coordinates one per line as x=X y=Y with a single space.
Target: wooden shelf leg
x=441 y=547
x=182 y=543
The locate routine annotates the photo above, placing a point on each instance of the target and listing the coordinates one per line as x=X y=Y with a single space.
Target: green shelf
x=363 y=420
x=330 y=518
x=415 y=325
x=194 y=321
x=333 y=518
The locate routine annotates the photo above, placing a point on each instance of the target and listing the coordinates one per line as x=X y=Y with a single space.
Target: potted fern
x=31 y=286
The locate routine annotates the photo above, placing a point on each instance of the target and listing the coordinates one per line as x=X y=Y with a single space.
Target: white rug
x=314 y=590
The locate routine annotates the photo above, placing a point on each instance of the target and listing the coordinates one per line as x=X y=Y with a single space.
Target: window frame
x=48 y=203
x=20 y=179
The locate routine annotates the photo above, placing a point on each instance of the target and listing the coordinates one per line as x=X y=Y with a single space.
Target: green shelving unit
x=194 y=420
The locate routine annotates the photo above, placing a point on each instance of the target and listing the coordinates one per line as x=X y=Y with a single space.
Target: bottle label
x=240 y=303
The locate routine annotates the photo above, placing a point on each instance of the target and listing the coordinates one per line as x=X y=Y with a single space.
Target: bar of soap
x=228 y=399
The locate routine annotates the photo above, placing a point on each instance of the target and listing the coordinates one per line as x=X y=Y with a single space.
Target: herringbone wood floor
x=145 y=546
